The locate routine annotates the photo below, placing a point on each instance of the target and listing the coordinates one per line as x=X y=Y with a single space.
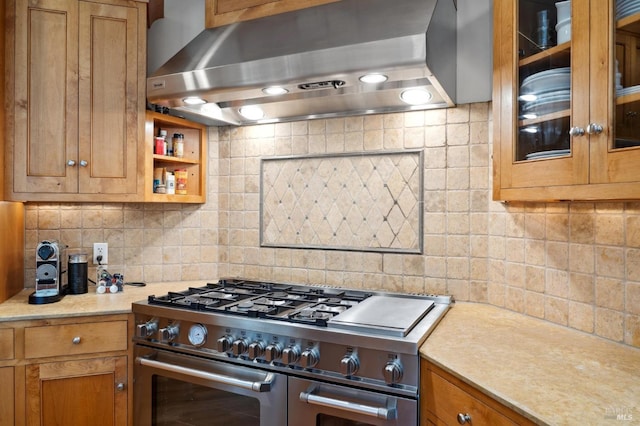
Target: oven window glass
x=177 y=403
x=327 y=420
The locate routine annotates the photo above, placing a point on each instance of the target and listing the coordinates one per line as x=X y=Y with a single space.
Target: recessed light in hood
x=194 y=100
x=416 y=96
x=373 y=78
x=275 y=90
x=319 y=56
x=252 y=112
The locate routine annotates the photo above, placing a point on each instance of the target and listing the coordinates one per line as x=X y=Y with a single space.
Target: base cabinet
x=71 y=371
x=446 y=400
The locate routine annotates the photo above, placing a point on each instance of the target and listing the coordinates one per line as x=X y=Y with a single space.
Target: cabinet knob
x=83 y=163
x=576 y=131
x=464 y=418
x=120 y=386
x=76 y=340
x=71 y=163
x=594 y=129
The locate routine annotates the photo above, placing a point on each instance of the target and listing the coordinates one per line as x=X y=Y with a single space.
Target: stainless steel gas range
x=240 y=352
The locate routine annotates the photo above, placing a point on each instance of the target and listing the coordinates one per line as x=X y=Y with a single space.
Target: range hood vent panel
x=405 y=39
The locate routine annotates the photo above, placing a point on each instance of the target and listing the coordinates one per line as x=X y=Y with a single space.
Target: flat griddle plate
x=383 y=315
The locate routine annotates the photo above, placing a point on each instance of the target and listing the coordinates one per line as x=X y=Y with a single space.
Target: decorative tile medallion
x=355 y=201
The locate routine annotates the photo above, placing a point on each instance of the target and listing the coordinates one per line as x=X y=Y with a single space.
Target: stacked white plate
x=626 y=8
x=547 y=81
x=550 y=90
x=547 y=154
x=627 y=91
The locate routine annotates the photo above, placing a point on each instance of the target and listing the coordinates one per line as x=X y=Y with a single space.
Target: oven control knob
x=291 y=355
x=147 y=329
x=256 y=350
x=239 y=347
x=349 y=365
x=273 y=352
x=392 y=372
x=170 y=332
x=310 y=358
x=224 y=343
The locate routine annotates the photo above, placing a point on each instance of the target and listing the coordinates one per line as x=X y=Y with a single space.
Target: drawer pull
x=120 y=386
x=76 y=340
x=463 y=419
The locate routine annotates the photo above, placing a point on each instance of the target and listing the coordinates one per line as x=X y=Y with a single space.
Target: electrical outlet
x=101 y=249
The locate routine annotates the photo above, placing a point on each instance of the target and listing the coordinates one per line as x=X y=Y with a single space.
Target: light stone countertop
x=73 y=305
x=548 y=373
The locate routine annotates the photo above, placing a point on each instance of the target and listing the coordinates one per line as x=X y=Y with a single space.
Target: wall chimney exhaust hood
x=350 y=57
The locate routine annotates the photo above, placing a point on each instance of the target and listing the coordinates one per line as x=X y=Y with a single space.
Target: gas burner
x=248 y=306
x=286 y=295
x=335 y=309
x=311 y=313
x=317 y=314
x=219 y=295
x=245 y=305
x=270 y=302
x=190 y=300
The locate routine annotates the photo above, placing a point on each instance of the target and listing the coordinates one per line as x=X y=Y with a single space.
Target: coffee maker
x=49 y=264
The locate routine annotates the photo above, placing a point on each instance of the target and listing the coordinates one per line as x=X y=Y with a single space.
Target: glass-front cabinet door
x=622 y=148
x=566 y=99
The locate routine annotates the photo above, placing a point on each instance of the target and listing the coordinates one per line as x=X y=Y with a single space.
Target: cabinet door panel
x=108 y=98
x=77 y=392
x=46 y=90
x=615 y=153
x=7 y=396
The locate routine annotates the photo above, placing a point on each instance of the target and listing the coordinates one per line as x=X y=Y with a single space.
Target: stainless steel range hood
x=317 y=55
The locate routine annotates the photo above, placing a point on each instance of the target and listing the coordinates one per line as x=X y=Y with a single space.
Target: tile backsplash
x=358 y=201
x=574 y=264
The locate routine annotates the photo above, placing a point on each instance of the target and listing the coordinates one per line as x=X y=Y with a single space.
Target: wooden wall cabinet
x=76 y=97
x=194 y=160
x=566 y=126
x=447 y=401
x=69 y=371
x=225 y=12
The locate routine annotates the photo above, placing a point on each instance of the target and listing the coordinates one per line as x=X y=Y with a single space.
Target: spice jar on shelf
x=178 y=145
x=181 y=181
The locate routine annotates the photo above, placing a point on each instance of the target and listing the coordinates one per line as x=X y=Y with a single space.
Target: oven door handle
x=263 y=386
x=386 y=413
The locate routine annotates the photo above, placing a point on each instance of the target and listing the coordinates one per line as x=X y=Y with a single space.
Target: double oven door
x=314 y=403
x=179 y=389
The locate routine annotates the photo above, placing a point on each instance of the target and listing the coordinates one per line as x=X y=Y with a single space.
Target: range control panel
x=343 y=363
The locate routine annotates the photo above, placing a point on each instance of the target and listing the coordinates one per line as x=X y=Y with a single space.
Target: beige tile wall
x=573 y=264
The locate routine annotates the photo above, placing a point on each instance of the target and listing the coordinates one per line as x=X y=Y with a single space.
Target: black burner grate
x=257 y=299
